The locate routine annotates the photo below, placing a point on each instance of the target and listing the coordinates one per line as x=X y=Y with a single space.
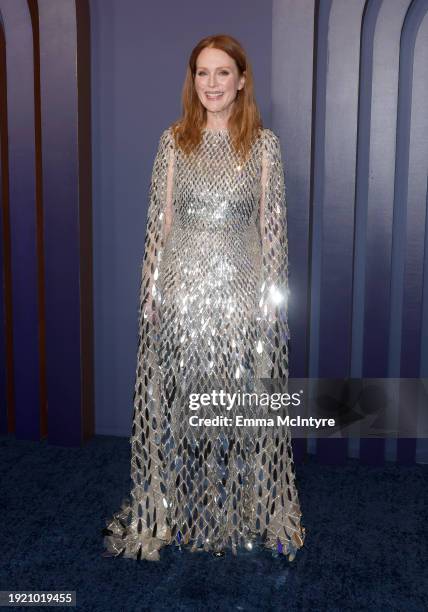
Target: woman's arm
x=274 y=288
x=159 y=221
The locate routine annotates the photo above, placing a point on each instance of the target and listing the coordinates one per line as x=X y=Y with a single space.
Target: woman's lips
x=213 y=96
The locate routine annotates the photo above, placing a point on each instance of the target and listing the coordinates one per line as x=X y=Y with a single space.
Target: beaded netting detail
x=212 y=315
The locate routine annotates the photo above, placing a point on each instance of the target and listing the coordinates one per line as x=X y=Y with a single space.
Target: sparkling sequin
x=213 y=310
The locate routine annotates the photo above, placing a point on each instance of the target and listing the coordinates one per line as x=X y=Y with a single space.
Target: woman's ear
x=242 y=80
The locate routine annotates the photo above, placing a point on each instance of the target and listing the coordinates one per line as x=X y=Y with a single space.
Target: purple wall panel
x=67 y=220
x=375 y=196
x=18 y=34
x=411 y=201
x=292 y=87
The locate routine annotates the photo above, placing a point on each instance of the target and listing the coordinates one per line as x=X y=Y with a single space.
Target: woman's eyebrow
x=219 y=68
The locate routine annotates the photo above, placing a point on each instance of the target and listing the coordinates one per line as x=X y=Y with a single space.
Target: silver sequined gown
x=215 y=260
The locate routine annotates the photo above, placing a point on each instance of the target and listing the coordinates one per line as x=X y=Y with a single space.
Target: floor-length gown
x=213 y=315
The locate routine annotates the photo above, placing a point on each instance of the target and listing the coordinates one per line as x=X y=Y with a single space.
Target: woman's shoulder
x=271 y=145
x=166 y=138
x=269 y=136
x=167 y=133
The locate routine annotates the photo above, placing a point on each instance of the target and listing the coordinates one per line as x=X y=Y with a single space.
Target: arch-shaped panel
x=409 y=212
x=382 y=26
x=6 y=379
x=66 y=150
x=416 y=217
x=337 y=200
x=292 y=36
x=23 y=227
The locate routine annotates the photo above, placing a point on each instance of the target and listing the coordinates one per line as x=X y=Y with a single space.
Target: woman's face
x=217 y=81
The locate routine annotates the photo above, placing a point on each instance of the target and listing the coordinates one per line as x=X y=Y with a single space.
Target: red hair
x=245 y=121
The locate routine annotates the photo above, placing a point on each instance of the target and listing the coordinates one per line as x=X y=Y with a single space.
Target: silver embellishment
x=213 y=308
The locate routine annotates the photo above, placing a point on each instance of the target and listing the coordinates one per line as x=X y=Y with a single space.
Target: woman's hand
x=271 y=302
x=150 y=313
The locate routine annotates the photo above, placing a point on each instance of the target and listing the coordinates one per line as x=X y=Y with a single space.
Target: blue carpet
x=366 y=544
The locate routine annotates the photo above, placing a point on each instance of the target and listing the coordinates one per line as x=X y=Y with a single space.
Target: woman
x=213 y=316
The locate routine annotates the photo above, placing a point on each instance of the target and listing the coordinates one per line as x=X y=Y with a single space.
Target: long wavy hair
x=245 y=121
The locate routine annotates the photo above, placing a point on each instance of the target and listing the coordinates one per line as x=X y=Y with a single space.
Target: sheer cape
x=210 y=491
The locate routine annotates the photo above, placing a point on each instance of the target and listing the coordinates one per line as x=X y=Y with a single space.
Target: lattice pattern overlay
x=213 y=315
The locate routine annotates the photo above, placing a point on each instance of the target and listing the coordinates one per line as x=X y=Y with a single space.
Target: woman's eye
x=224 y=72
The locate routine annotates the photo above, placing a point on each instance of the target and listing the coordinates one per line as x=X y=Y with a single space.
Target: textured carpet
x=366 y=544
